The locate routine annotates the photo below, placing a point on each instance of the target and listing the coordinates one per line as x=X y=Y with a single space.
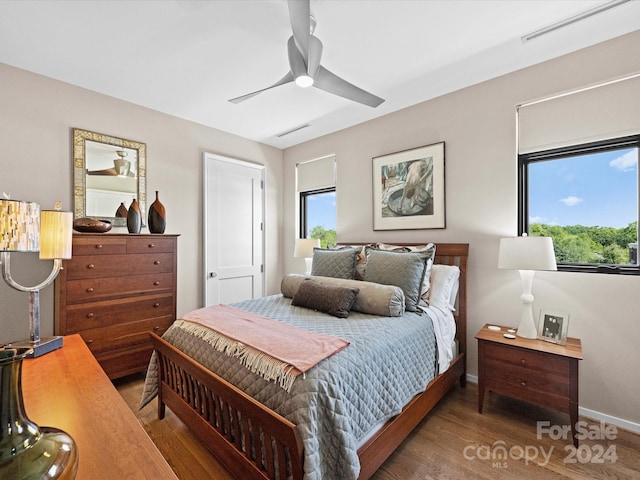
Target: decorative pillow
x=361 y=258
x=373 y=298
x=331 y=299
x=405 y=270
x=334 y=263
x=444 y=286
x=429 y=247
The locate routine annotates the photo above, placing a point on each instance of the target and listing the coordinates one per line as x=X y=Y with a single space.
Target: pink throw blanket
x=273 y=349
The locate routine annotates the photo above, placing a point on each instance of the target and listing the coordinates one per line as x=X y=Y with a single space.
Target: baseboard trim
x=593 y=414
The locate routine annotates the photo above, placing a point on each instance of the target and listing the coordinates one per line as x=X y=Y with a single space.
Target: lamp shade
x=56 y=230
x=19 y=226
x=527 y=253
x=304 y=247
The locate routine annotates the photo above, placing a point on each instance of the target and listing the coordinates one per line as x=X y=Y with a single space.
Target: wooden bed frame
x=252 y=441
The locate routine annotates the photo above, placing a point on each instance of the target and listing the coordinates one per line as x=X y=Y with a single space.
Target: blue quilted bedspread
x=338 y=402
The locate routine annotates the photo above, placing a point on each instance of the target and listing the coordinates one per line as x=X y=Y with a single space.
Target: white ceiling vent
x=295 y=129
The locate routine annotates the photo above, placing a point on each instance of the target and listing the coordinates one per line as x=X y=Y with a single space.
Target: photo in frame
x=553 y=326
x=408 y=189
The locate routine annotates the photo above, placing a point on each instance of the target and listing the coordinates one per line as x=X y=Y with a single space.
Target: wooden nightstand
x=539 y=372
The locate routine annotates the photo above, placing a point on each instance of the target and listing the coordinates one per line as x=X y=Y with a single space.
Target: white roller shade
x=316 y=174
x=601 y=112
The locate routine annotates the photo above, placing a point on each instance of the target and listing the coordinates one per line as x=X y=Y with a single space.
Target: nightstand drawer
x=501 y=376
x=527 y=359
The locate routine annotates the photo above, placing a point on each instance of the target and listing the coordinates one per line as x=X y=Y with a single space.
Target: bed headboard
x=449 y=254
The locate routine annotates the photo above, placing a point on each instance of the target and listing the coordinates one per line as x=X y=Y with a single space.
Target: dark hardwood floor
x=453 y=442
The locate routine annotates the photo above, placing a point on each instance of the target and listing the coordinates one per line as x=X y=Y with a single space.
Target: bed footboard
x=246 y=437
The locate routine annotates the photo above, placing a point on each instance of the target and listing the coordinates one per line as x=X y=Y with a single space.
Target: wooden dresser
x=66 y=389
x=115 y=289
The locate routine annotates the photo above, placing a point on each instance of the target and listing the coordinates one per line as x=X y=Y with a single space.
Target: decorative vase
x=134 y=217
x=157 y=216
x=122 y=211
x=28 y=451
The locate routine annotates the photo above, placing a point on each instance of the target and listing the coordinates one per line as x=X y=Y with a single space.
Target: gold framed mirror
x=107 y=172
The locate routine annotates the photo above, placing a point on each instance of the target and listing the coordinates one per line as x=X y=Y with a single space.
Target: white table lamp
x=304 y=249
x=527 y=254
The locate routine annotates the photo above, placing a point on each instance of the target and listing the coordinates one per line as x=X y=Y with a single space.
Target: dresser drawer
x=103 y=288
x=119 y=363
x=104 y=245
x=150 y=244
x=528 y=359
x=124 y=336
x=112 y=312
x=95 y=266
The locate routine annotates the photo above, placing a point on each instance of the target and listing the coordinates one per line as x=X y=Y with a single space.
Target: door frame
x=205 y=169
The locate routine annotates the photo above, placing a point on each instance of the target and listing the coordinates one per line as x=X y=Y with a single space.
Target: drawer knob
x=523 y=361
x=156 y=328
x=523 y=383
x=156 y=305
x=157 y=262
x=90 y=315
x=91 y=265
x=151 y=245
x=89 y=342
x=156 y=283
x=90 y=289
x=99 y=245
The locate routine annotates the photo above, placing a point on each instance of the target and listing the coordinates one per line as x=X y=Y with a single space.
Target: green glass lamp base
x=53 y=456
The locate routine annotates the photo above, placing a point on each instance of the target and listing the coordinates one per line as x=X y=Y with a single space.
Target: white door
x=233 y=230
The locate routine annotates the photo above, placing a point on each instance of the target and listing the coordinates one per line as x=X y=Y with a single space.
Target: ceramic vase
x=134 y=217
x=28 y=451
x=157 y=216
x=122 y=211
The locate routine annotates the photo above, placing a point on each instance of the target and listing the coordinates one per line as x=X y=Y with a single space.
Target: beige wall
x=36 y=117
x=477 y=125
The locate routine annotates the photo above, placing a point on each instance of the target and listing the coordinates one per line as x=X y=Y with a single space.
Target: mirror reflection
x=109 y=173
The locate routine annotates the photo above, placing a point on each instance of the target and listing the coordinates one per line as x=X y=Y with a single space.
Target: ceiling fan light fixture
x=304 y=81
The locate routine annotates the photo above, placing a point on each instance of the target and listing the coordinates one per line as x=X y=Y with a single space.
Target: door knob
x=213 y=274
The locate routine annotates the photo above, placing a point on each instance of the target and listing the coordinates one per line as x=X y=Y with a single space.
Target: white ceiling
x=187 y=58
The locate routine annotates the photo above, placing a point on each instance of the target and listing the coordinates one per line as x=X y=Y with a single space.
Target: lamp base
x=44 y=346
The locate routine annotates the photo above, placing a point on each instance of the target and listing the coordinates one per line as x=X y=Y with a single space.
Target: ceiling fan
x=305 y=51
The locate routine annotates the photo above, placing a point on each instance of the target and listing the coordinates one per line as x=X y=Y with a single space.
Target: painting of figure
x=409 y=189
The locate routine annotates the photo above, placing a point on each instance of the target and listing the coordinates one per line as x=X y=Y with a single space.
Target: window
x=318 y=215
x=585 y=197
x=316 y=187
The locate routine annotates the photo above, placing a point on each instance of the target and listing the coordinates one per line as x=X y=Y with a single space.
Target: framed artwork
x=553 y=326
x=408 y=189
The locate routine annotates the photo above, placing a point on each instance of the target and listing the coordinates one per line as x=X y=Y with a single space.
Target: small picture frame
x=553 y=326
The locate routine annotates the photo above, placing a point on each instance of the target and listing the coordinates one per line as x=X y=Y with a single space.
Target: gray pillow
x=373 y=298
x=331 y=299
x=403 y=269
x=334 y=263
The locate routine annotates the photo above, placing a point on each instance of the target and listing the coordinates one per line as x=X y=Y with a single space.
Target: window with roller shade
x=316 y=188
x=578 y=175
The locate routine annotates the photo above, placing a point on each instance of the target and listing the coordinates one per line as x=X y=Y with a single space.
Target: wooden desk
x=532 y=370
x=68 y=390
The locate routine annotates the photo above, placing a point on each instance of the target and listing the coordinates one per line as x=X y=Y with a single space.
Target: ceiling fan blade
x=329 y=82
x=300 y=15
x=288 y=78
x=315 y=54
x=297 y=64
